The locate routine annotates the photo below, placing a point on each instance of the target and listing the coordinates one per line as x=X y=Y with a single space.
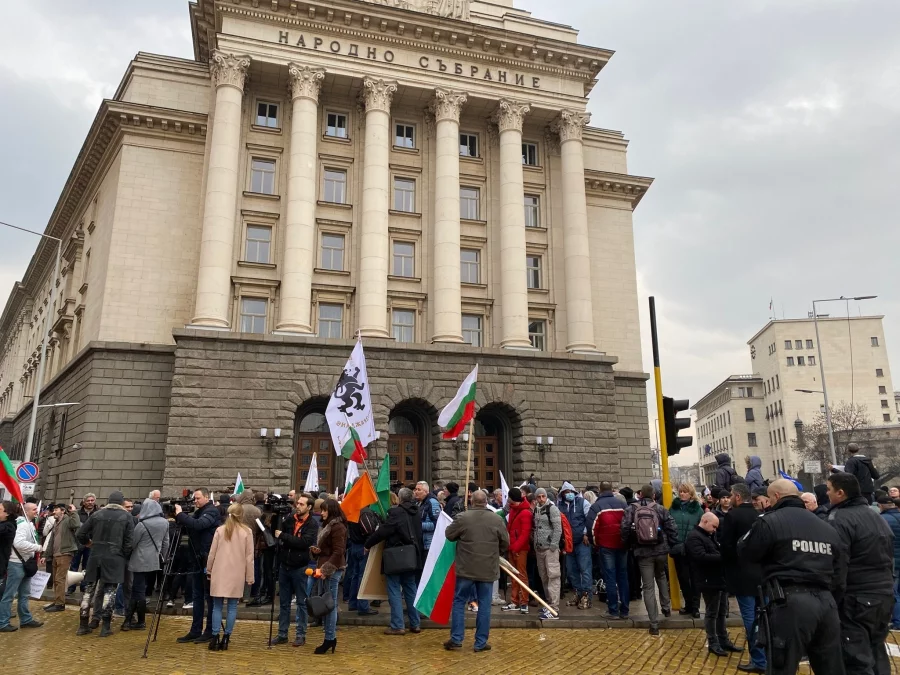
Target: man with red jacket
x=605 y=526
x=518 y=526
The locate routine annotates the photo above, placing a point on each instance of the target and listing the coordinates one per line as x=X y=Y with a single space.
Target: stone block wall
x=634 y=429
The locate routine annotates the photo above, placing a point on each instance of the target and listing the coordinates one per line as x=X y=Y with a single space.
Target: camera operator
x=201 y=527
x=299 y=532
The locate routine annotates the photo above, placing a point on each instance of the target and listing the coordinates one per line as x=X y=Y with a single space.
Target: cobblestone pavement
x=364 y=650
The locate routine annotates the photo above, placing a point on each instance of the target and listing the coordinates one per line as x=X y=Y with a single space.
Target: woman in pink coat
x=229 y=566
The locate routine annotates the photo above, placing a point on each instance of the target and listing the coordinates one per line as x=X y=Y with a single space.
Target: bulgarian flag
x=8 y=478
x=461 y=410
x=434 y=597
x=238 y=485
x=351 y=446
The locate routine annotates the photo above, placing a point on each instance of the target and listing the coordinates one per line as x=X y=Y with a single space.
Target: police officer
x=799 y=555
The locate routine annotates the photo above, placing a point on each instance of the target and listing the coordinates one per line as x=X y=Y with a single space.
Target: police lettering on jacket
x=811 y=546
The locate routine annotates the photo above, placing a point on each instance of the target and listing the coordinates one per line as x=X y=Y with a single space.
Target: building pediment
x=616 y=186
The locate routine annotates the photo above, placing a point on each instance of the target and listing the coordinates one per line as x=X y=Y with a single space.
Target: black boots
x=726 y=644
x=714 y=648
x=219 y=645
x=106 y=628
x=214 y=644
x=223 y=645
x=141 y=609
x=83 y=627
x=129 y=615
x=325 y=646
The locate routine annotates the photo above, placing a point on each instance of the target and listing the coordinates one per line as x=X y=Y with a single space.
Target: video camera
x=279 y=505
x=168 y=505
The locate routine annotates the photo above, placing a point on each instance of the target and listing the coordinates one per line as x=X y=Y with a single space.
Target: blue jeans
x=895 y=615
x=331 y=618
x=578 y=567
x=356 y=565
x=615 y=576
x=400 y=587
x=202 y=604
x=292 y=583
x=217 y=615
x=747 y=605
x=464 y=588
x=17 y=584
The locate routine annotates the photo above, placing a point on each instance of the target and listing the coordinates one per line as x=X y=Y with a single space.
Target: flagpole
x=469 y=462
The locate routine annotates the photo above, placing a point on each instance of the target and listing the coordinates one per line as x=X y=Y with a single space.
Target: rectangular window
x=874 y=341
x=262 y=176
x=404 y=263
x=882 y=390
x=258 y=244
x=529 y=154
x=266 y=114
x=403 y=325
x=333 y=252
x=884 y=403
x=879 y=372
x=809 y=344
x=749 y=391
x=777 y=382
x=729 y=417
x=331 y=320
x=801 y=361
x=788 y=344
x=471 y=329
x=336 y=125
x=253 y=315
x=335 y=186
x=810 y=360
x=798 y=344
x=470 y=266
x=468 y=203
x=751 y=440
x=537 y=331
x=533 y=271
x=405 y=195
x=532 y=211
x=790 y=360
x=404 y=136
x=886 y=417
x=748 y=414
x=468 y=145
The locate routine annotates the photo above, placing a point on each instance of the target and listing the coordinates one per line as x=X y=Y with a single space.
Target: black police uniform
x=802 y=554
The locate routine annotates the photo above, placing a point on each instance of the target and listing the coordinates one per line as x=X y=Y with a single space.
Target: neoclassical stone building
x=420 y=174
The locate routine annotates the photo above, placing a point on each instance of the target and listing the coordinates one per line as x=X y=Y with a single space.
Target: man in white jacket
x=17 y=584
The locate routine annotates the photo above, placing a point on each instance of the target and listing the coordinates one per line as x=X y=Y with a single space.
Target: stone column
x=373 y=245
x=576 y=246
x=229 y=73
x=300 y=222
x=446 y=290
x=513 y=282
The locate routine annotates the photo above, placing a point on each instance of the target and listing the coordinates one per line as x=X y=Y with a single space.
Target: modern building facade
x=422 y=176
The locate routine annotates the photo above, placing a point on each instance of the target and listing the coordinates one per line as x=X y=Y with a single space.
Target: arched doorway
x=312 y=436
x=409 y=444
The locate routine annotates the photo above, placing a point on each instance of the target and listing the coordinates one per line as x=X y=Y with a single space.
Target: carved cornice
x=377 y=94
x=306 y=82
x=229 y=69
x=447 y=104
x=616 y=186
x=570 y=125
x=511 y=114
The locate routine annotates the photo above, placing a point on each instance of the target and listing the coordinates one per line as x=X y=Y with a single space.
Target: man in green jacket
x=481 y=539
x=61 y=547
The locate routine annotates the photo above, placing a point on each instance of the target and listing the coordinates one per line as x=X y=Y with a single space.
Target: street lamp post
x=43 y=362
x=822 y=368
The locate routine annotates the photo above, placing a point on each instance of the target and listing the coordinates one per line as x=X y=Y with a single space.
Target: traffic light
x=674 y=442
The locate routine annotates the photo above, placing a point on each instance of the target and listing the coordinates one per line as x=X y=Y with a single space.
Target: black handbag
x=320 y=605
x=400 y=559
x=30 y=566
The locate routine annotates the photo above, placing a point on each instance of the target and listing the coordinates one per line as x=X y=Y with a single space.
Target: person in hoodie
x=861 y=466
x=518 y=527
x=605 y=526
x=453 y=499
x=686 y=510
x=578 y=563
x=726 y=476
x=754 y=478
x=151 y=542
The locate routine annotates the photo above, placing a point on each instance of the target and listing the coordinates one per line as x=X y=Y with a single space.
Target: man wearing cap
x=109 y=533
x=546 y=534
x=60 y=548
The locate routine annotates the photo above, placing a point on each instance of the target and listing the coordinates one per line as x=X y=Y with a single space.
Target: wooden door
x=306 y=446
x=404 y=453
x=485 y=462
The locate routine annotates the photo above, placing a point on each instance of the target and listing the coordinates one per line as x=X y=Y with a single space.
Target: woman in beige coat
x=229 y=565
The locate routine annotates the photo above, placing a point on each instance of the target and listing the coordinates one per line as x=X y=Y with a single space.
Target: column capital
x=229 y=69
x=510 y=114
x=378 y=94
x=570 y=124
x=447 y=104
x=305 y=81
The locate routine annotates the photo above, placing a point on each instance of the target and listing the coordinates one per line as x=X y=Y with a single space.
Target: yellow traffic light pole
x=674 y=589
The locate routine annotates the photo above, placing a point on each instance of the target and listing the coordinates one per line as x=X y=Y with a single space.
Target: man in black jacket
x=109 y=534
x=201 y=527
x=800 y=556
x=402 y=528
x=702 y=550
x=726 y=476
x=861 y=466
x=300 y=532
x=866 y=603
x=742 y=576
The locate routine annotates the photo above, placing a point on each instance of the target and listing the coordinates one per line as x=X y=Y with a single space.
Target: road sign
x=27 y=488
x=27 y=472
x=812 y=466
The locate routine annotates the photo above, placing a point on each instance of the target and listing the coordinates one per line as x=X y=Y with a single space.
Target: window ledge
x=536 y=168
x=473 y=160
x=470 y=285
x=266 y=130
x=397 y=277
x=261 y=195
x=405 y=214
x=538 y=290
x=83 y=288
x=406 y=151
x=336 y=205
x=335 y=139
x=256 y=265
x=323 y=270
x=471 y=221
x=538 y=228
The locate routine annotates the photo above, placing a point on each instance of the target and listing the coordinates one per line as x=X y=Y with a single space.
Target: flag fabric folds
x=312 y=476
x=361 y=495
x=793 y=480
x=352 y=475
x=8 y=478
x=383 y=486
x=351 y=403
x=461 y=410
x=504 y=489
x=351 y=446
x=238 y=485
x=434 y=596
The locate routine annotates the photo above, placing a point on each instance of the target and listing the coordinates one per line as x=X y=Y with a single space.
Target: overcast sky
x=771 y=127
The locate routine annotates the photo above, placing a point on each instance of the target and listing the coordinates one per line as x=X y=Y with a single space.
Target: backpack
x=368 y=522
x=646 y=524
x=565 y=539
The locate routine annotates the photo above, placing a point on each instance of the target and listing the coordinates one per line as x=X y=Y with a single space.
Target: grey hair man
x=809 y=501
x=154 y=495
x=429 y=512
x=546 y=533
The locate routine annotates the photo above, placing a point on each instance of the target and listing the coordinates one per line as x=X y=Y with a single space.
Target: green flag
x=383 y=486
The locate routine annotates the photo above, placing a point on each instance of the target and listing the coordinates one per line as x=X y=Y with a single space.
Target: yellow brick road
x=55 y=648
